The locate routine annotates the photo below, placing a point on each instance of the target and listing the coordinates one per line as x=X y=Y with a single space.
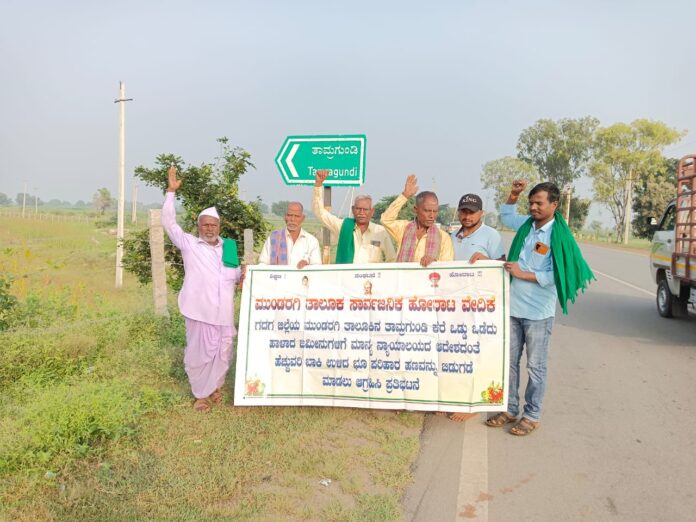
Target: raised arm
x=330 y=221
x=393 y=226
x=174 y=231
x=508 y=211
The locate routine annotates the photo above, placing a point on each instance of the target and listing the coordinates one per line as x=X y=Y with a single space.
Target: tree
x=279 y=208
x=202 y=186
x=652 y=195
x=406 y=211
x=560 y=150
x=499 y=174
x=263 y=208
x=30 y=201
x=579 y=208
x=57 y=203
x=80 y=204
x=625 y=155
x=5 y=201
x=102 y=200
x=446 y=214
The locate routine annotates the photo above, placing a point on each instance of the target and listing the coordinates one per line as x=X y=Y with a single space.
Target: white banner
x=389 y=336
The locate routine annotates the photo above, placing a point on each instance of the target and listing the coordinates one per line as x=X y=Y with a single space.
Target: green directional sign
x=342 y=155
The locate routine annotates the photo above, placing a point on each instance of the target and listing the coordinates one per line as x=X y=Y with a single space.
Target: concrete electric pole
x=121 y=180
x=627 y=209
x=134 y=212
x=568 y=192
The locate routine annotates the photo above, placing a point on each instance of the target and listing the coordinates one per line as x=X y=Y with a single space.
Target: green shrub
x=44 y=309
x=67 y=421
x=8 y=302
x=43 y=357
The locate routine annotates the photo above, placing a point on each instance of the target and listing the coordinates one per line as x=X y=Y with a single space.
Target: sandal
x=217 y=396
x=201 y=405
x=501 y=419
x=524 y=427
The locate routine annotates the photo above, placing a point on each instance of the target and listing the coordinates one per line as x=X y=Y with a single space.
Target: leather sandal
x=524 y=427
x=201 y=405
x=500 y=419
x=217 y=396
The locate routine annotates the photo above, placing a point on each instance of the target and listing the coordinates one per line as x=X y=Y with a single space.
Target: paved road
x=617 y=436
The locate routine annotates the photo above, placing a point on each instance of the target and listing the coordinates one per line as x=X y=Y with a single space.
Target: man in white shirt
x=292 y=246
x=359 y=239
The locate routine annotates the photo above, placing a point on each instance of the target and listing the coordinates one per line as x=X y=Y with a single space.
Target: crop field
x=96 y=420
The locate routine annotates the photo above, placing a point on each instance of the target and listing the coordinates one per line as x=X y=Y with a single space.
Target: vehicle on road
x=673 y=249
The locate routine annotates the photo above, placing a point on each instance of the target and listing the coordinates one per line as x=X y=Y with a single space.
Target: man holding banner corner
x=545 y=264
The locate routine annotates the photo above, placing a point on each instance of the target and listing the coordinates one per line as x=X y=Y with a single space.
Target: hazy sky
x=439 y=88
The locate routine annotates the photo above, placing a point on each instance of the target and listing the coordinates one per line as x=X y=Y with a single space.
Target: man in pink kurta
x=206 y=300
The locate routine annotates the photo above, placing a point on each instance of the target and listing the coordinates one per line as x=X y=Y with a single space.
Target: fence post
x=159 y=277
x=249 y=247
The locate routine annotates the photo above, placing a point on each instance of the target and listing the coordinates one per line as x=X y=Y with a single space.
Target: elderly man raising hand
x=206 y=300
x=420 y=240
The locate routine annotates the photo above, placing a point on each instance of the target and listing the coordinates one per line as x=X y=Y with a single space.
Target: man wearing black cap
x=475 y=240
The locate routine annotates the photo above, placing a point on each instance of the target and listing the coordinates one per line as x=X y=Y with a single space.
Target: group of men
x=544 y=263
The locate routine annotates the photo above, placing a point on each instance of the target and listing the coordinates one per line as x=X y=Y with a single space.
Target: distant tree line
x=101 y=202
x=625 y=162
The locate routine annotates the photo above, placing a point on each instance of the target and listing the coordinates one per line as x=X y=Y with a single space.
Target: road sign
x=343 y=155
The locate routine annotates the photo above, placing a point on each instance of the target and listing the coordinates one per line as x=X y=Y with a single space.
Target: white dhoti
x=207 y=356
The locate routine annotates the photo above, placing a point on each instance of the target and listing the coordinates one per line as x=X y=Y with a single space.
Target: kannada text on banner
x=389 y=336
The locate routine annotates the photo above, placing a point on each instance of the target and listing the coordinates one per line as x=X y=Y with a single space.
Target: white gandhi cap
x=210 y=211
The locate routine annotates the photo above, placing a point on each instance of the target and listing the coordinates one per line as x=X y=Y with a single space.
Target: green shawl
x=570 y=271
x=346 y=246
x=229 y=253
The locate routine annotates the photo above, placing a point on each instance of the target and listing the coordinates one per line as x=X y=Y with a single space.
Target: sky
x=439 y=88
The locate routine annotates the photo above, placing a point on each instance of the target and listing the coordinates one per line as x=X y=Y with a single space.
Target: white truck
x=673 y=251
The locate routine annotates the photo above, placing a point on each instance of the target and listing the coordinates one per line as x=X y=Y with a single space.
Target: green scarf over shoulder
x=345 y=251
x=229 y=253
x=571 y=272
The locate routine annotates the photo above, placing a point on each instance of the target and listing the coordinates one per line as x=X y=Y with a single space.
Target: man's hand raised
x=518 y=187
x=174 y=183
x=411 y=188
x=320 y=178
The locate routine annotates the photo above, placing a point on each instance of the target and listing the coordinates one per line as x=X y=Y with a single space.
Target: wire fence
x=49 y=216
x=79 y=263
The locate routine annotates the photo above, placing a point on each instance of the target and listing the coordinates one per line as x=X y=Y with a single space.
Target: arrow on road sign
x=293 y=151
x=342 y=155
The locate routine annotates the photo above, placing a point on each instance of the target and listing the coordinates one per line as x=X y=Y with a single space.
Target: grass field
x=96 y=420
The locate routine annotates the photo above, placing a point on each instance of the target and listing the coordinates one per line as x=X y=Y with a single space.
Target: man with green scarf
x=359 y=239
x=544 y=263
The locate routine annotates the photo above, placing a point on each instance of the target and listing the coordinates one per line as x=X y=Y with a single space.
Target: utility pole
x=24 y=198
x=134 y=213
x=568 y=191
x=121 y=180
x=627 y=210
